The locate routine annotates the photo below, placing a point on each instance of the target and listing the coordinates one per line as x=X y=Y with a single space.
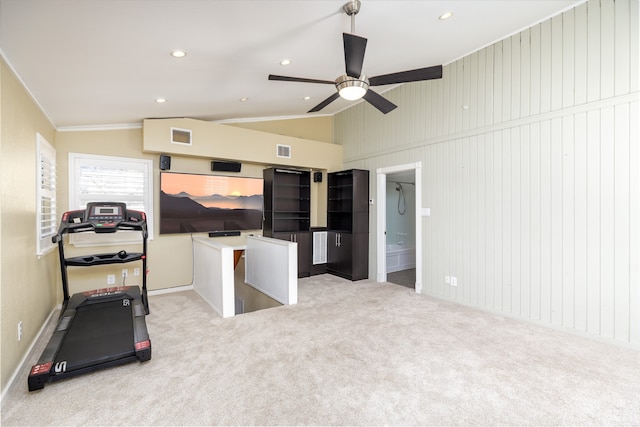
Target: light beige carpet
x=349 y=353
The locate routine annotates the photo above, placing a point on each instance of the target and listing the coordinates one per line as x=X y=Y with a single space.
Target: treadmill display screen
x=101 y=210
x=105 y=213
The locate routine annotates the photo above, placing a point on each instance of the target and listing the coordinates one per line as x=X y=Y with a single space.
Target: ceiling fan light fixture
x=351 y=88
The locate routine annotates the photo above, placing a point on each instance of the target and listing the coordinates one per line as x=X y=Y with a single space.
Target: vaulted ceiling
x=98 y=62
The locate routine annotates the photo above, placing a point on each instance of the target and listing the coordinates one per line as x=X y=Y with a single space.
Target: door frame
x=381 y=215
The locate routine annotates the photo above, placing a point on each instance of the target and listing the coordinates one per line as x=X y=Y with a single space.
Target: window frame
x=45 y=152
x=76 y=161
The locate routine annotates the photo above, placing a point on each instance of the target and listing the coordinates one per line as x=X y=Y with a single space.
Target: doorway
x=399 y=225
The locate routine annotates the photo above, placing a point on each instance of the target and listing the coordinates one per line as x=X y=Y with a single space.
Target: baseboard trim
x=170 y=290
x=27 y=355
x=559 y=328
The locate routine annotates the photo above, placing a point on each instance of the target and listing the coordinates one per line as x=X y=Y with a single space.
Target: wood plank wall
x=534 y=189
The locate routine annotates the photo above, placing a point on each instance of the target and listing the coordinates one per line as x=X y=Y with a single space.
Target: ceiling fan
x=354 y=84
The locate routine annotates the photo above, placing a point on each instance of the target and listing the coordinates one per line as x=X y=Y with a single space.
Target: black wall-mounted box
x=226 y=166
x=165 y=162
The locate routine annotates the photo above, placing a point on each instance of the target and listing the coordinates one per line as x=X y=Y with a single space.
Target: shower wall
x=401 y=229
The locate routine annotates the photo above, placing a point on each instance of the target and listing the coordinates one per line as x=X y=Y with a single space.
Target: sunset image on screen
x=206 y=185
x=196 y=202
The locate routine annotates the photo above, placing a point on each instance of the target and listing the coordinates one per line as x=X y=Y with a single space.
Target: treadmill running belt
x=99 y=333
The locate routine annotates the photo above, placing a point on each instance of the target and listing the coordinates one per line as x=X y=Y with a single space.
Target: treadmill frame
x=48 y=369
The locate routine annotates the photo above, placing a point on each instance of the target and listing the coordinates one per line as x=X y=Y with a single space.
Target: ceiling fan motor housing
x=352 y=88
x=352 y=7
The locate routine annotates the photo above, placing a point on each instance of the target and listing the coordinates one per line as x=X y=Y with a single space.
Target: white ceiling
x=104 y=62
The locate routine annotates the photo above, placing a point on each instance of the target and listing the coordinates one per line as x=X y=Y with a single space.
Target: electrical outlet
x=447 y=280
x=125 y=273
x=20 y=330
x=454 y=281
x=111 y=279
x=136 y=271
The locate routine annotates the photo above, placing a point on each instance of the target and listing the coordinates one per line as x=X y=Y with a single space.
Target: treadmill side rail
x=39 y=376
x=140 y=333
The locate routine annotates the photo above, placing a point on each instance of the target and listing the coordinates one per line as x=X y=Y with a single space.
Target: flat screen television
x=191 y=203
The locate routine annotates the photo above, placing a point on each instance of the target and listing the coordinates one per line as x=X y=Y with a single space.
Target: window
x=46 y=221
x=110 y=179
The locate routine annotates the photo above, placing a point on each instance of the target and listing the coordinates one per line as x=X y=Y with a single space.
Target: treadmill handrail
x=82 y=227
x=138 y=221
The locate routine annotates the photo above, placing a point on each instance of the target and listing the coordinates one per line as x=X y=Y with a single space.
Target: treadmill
x=103 y=327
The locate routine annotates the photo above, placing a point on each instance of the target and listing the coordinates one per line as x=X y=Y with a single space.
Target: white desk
x=270 y=267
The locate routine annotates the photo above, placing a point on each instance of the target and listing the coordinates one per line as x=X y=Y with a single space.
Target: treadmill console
x=105 y=214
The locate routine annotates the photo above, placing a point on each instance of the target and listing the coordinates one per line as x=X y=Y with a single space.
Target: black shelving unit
x=287 y=211
x=348 y=224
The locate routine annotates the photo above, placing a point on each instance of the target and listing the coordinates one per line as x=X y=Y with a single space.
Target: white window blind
x=46 y=221
x=95 y=178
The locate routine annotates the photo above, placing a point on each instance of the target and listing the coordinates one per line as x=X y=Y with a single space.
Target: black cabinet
x=303 y=239
x=348 y=224
x=287 y=211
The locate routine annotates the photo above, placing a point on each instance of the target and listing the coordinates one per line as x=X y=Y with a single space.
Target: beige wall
x=313 y=128
x=31 y=287
x=27 y=283
x=218 y=141
x=170 y=256
x=250 y=146
x=534 y=189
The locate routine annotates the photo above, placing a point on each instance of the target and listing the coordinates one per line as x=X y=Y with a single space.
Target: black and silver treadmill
x=104 y=327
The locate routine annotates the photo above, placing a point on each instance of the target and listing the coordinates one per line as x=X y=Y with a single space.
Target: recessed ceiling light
x=160 y=100
x=244 y=99
x=178 y=53
x=306 y=98
x=285 y=62
x=445 y=16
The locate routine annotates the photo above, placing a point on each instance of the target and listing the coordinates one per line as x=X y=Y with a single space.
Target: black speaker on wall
x=317 y=177
x=226 y=166
x=165 y=162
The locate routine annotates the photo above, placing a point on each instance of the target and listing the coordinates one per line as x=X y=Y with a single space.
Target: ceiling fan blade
x=354 y=48
x=324 y=103
x=379 y=102
x=428 y=73
x=299 y=79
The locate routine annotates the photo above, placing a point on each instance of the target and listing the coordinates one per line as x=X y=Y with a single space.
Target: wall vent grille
x=319 y=247
x=180 y=136
x=283 y=151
